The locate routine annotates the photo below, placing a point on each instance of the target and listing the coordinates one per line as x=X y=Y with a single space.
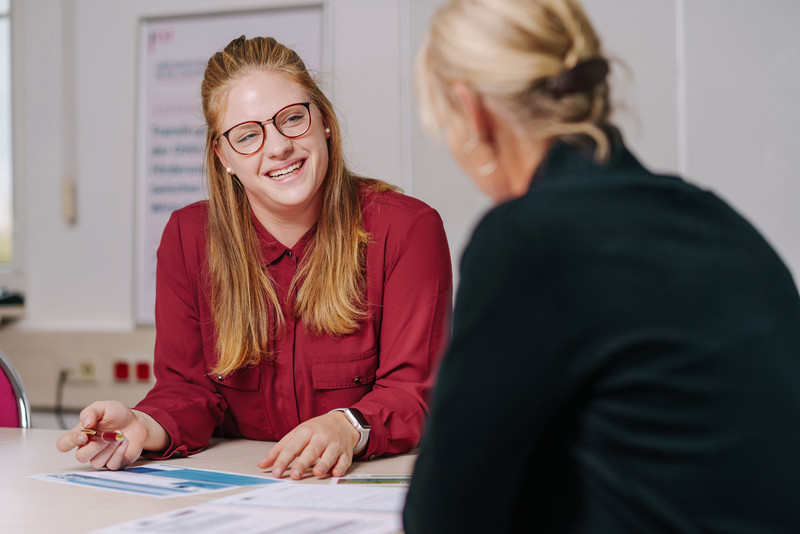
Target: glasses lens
x=293 y=121
x=246 y=138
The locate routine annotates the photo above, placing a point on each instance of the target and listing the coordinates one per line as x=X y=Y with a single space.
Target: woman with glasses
x=625 y=355
x=300 y=303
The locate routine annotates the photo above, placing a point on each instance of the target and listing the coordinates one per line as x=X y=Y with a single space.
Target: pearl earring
x=230 y=171
x=327 y=130
x=490 y=165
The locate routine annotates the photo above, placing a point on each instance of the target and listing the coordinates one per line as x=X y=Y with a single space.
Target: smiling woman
x=289 y=149
x=301 y=303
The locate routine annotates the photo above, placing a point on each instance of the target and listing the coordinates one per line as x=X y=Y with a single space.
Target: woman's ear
x=474 y=112
x=220 y=155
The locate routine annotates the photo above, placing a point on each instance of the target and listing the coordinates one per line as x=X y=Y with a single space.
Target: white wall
x=710 y=92
x=742 y=133
x=641 y=39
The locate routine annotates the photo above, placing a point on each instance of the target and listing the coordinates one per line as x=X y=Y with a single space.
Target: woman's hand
x=139 y=429
x=327 y=440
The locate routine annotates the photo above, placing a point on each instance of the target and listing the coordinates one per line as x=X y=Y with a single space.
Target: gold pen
x=110 y=437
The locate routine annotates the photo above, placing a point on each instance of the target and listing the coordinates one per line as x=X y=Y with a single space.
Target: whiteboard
x=173 y=54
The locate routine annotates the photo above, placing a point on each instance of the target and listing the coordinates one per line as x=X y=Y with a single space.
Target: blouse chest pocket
x=248 y=379
x=339 y=372
x=246 y=415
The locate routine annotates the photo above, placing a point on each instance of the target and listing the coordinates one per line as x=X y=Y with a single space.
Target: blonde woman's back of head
x=513 y=51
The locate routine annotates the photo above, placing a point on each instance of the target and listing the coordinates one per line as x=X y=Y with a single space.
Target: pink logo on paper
x=158 y=37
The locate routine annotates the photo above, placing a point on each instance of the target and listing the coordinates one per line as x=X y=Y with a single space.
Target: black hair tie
x=582 y=77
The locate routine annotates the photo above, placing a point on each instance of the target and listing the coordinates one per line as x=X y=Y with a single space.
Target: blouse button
x=289 y=253
x=371 y=456
x=357 y=380
x=220 y=378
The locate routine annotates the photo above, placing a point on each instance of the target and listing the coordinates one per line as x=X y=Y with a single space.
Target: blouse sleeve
x=183 y=400
x=414 y=329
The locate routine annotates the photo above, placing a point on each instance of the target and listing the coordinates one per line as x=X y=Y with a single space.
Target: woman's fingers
x=99 y=459
x=323 y=442
x=334 y=461
x=74 y=437
x=106 y=416
x=341 y=467
x=71 y=439
x=117 y=459
x=306 y=458
x=291 y=446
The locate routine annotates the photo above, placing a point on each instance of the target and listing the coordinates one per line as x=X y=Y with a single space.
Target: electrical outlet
x=133 y=368
x=82 y=371
x=86 y=370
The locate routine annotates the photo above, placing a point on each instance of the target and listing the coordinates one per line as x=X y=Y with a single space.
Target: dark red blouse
x=385 y=369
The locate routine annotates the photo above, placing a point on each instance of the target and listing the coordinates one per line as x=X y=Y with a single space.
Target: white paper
x=289 y=507
x=320 y=497
x=374 y=479
x=207 y=519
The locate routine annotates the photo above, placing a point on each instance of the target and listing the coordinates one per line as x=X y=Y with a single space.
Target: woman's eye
x=293 y=119
x=245 y=138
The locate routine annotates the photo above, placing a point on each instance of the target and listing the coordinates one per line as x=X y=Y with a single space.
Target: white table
x=34 y=506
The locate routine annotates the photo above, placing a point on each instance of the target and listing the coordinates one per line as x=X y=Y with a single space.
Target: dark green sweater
x=625 y=358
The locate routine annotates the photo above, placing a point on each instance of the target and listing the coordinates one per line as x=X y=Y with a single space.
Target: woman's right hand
x=139 y=429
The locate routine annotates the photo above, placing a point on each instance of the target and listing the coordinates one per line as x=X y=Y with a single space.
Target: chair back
x=14 y=408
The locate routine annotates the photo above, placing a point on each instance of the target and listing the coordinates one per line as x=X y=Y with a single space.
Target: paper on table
x=320 y=497
x=207 y=519
x=382 y=480
x=159 y=480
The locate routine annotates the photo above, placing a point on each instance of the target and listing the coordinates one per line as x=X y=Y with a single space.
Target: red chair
x=14 y=408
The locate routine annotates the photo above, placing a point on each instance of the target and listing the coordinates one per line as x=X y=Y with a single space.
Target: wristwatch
x=360 y=423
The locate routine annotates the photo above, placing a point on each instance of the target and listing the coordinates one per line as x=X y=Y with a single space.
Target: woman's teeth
x=280 y=173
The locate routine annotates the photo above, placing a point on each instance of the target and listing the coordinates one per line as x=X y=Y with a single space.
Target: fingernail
x=296 y=474
x=83 y=438
x=277 y=472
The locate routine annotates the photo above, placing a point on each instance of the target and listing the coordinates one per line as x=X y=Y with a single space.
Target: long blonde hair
x=330 y=282
x=508 y=50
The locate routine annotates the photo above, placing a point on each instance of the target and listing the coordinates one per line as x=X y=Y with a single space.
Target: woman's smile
x=286 y=172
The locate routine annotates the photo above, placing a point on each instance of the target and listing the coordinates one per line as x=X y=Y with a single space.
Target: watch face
x=359 y=417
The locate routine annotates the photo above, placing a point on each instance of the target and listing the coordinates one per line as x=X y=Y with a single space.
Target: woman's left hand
x=327 y=440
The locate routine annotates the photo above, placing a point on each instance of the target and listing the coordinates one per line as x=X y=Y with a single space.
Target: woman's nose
x=276 y=144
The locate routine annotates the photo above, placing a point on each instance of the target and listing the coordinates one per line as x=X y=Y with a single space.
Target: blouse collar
x=272 y=249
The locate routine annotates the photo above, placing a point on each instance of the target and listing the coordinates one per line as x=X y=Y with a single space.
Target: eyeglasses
x=248 y=137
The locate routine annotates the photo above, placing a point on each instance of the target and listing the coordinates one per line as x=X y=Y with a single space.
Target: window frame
x=12 y=274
